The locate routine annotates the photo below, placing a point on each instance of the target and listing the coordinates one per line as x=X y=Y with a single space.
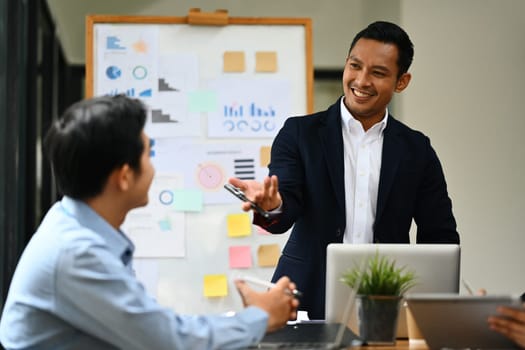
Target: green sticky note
x=202 y=101
x=187 y=200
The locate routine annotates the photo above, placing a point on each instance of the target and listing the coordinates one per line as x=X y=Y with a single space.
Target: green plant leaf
x=380 y=276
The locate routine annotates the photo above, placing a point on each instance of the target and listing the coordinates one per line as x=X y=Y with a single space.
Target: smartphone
x=240 y=194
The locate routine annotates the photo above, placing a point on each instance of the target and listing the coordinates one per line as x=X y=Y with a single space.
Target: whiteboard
x=216 y=97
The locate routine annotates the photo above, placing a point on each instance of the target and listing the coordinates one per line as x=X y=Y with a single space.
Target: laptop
x=459 y=321
x=316 y=334
x=437 y=268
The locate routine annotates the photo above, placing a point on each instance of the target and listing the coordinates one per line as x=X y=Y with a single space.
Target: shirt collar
x=351 y=124
x=119 y=245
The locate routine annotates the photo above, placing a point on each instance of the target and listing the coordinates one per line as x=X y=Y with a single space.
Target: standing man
x=353 y=173
x=74 y=286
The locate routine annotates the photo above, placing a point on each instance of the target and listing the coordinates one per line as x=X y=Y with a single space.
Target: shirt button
x=338 y=232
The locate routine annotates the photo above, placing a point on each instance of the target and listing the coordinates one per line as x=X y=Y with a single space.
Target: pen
x=263 y=283
x=467 y=287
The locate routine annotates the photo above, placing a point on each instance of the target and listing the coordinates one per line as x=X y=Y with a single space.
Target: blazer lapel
x=392 y=151
x=331 y=137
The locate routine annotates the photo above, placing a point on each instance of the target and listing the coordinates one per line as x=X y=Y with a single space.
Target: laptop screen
x=437 y=269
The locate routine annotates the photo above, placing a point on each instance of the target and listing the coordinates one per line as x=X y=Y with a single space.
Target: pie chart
x=113 y=72
x=210 y=176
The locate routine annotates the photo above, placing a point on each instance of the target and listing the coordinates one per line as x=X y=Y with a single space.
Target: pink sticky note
x=240 y=257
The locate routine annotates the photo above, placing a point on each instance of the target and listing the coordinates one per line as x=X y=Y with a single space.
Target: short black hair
x=91 y=139
x=389 y=33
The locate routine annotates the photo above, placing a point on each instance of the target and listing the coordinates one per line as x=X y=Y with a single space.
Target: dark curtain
x=36 y=85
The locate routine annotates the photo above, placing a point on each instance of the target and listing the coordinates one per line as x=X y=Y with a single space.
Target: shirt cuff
x=257 y=319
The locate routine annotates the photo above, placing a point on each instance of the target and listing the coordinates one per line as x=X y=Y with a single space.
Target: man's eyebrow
x=379 y=67
x=352 y=57
x=382 y=68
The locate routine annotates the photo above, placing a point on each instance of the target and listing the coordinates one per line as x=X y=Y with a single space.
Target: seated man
x=74 y=287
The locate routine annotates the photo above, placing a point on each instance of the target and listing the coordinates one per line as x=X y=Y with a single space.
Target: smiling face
x=370 y=79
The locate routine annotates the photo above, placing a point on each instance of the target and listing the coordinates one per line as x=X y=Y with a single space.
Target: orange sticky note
x=264 y=155
x=233 y=61
x=265 y=61
x=239 y=225
x=268 y=254
x=240 y=257
x=215 y=286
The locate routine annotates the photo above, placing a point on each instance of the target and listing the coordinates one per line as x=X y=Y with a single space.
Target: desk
x=315 y=332
x=400 y=345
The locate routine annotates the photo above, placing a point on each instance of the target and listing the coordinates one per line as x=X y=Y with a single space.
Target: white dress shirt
x=362 y=153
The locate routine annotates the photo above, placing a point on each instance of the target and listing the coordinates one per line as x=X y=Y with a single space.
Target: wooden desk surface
x=400 y=345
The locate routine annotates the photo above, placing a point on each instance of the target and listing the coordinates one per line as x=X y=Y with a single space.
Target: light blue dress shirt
x=74 y=288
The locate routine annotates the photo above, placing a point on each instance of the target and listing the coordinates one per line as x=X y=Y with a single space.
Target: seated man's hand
x=278 y=302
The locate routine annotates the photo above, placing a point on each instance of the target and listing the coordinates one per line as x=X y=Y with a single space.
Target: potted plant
x=380 y=287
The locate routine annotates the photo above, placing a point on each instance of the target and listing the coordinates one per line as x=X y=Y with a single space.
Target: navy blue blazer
x=307 y=156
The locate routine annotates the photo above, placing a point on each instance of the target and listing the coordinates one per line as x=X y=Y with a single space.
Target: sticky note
x=140 y=46
x=215 y=286
x=202 y=101
x=165 y=225
x=240 y=257
x=239 y=225
x=265 y=61
x=268 y=254
x=233 y=61
x=187 y=200
x=264 y=156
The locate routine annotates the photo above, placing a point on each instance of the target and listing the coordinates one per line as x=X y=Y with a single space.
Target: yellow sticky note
x=264 y=155
x=239 y=225
x=265 y=61
x=234 y=61
x=215 y=286
x=268 y=254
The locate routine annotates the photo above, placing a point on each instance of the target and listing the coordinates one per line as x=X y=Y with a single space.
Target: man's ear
x=122 y=177
x=402 y=82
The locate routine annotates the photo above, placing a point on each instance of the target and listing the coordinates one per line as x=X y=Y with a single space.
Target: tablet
x=459 y=321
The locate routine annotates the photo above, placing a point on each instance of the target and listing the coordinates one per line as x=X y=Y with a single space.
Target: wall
x=334 y=22
x=466 y=95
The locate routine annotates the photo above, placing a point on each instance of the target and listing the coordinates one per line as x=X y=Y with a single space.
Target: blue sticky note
x=165 y=225
x=202 y=101
x=187 y=200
